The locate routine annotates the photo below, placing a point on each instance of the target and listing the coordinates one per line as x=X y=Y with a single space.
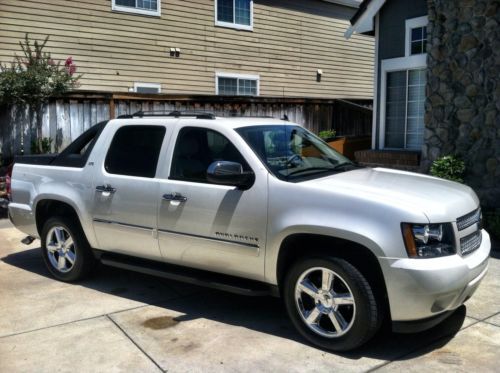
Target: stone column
x=462 y=110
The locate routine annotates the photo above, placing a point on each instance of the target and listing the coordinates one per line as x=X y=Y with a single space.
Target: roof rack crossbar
x=175 y=113
x=196 y=114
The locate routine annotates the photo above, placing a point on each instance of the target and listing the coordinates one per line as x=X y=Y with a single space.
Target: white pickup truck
x=257 y=206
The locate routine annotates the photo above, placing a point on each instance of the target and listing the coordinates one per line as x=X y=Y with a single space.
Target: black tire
x=84 y=260
x=364 y=316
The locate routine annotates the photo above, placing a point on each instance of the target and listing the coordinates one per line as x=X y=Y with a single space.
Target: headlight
x=428 y=240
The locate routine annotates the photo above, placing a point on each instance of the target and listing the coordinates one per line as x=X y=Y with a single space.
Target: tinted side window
x=135 y=150
x=196 y=148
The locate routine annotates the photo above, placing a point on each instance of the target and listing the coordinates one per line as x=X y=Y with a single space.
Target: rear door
x=126 y=191
x=207 y=226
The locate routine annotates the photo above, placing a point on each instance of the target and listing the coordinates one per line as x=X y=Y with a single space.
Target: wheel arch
x=48 y=206
x=302 y=245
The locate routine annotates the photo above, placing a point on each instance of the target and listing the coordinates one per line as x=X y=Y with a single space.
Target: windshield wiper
x=316 y=169
x=343 y=165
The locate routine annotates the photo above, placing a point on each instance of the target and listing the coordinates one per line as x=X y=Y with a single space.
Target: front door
x=126 y=195
x=207 y=226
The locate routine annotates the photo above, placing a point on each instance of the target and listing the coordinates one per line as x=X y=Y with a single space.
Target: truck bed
x=42 y=159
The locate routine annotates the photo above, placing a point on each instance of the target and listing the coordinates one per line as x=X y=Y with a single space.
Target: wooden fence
x=64 y=119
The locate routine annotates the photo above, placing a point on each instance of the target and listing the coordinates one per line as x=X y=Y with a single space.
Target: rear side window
x=135 y=150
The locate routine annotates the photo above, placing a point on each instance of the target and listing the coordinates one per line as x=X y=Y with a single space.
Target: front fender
x=301 y=208
x=274 y=244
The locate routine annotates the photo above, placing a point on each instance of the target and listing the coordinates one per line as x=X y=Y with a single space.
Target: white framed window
x=147 y=87
x=402 y=99
x=145 y=7
x=236 y=14
x=227 y=84
x=416 y=36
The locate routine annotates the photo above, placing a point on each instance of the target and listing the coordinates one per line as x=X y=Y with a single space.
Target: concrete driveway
x=124 y=321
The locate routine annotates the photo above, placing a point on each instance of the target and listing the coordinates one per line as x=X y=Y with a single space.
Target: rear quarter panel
x=34 y=183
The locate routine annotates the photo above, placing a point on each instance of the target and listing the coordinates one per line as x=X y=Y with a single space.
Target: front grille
x=470 y=243
x=469 y=219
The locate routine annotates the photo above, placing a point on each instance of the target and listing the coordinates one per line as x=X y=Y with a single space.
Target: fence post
x=112 y=109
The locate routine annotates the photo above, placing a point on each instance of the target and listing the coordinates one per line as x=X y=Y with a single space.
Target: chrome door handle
x=174 y=197
x=105 y=188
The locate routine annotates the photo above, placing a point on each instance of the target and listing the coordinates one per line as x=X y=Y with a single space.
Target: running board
x=189 y=275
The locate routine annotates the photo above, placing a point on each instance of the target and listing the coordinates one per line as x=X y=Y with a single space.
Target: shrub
x=448 y=167
x=327 y=134
x=30 y=80
x=34 y=77
x=41 y=146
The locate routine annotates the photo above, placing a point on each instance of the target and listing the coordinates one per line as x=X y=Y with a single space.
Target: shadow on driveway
x=262 y=314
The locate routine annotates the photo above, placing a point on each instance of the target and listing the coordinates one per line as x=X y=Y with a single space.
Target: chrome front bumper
x=423 y=288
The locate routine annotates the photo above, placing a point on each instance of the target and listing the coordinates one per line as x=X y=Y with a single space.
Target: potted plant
x=329 y=137
x=345 y=145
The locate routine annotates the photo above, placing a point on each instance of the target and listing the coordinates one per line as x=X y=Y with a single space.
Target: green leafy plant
x=327 y=134
x=41 y=146
x=449 y=167
x=31 y=79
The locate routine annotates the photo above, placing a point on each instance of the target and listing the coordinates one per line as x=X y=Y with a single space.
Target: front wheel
x=65 y=249
x=331 y=303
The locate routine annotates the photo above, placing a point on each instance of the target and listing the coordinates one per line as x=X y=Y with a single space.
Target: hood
x=440 y=200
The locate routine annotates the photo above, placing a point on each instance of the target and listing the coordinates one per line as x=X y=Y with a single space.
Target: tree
x=34 y=77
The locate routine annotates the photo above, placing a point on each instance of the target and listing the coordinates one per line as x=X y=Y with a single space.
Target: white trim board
x=375 y=85
x=365 y=22
x=418 y=61
x=349 y=3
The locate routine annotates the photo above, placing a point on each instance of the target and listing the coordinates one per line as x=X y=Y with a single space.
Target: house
x=436 y=85
x=269 y=48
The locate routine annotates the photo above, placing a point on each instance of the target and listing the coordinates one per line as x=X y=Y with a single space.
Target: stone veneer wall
x=463 y=91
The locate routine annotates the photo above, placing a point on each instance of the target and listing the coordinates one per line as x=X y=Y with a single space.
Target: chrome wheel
x=325 y=302
x=60 y=249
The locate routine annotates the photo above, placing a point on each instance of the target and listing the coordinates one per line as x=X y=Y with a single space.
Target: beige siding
x=290 y=41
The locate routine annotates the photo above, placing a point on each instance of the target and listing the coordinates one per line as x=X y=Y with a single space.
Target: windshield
x=292 y=152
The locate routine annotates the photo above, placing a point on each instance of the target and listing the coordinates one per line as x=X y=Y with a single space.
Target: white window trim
x=409 y=25
x=417 y=61
x=236 y=76
x=128 y=9
x=233 y=25
x=375 y=85
x=147 y=85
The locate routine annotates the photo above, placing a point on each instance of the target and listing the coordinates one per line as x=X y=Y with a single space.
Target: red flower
x=69 y=61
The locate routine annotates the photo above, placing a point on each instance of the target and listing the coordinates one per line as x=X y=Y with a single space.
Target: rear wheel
x=331 y=303
x=65 y=249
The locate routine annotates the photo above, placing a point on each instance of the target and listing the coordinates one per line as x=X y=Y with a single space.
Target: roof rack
x=175 y=114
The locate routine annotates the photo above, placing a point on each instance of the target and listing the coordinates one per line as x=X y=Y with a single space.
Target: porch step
x=395 y=167
x=394 y=157
x=397 y=159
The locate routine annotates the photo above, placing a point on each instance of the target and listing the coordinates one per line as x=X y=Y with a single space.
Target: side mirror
x=230 y=173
